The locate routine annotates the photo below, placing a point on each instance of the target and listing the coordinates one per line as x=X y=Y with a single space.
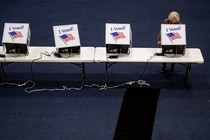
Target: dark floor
x=92 y=113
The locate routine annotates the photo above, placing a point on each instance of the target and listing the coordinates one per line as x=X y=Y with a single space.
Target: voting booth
x=67 y=39
x=173 y=38
x=16 y=38
x=118 y=39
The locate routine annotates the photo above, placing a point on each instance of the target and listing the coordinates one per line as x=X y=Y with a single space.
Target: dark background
x=91 y=113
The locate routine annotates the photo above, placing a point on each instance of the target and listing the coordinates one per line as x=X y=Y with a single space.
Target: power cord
x=16 y=84
x=27 y=90
x=41 y=54
x=140 y=76
x=101 y=87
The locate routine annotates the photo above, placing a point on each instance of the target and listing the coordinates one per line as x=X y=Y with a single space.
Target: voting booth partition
x=118 y=39
x=16 y=38
x=67 y=40
x=173 y=39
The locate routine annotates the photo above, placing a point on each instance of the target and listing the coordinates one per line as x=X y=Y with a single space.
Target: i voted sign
x=16 y=33
x=117 y=33
x=66 y=36
x=173 y=34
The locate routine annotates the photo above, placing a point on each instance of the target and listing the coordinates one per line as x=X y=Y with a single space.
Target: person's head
x=174 y=17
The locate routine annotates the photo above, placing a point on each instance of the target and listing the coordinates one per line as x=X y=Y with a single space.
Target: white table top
x=98 y=54
x=86 y=55
x=192 y=55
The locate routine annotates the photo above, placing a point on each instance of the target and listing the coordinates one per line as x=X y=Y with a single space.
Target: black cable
x=140 y=76
x=45 y=53
x=107 y=68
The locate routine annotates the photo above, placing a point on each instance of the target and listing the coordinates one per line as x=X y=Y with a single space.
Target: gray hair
x=174 y=14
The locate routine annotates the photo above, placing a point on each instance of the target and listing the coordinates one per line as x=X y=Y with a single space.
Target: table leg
x=107 y=65
x=82 y=66
x=106 y=73
x=83 y=74
x=188 y=75
x=2 y=72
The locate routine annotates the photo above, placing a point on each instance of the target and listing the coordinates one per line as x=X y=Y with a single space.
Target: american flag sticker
x=118 y=35
x=15 y=35
x=173 y=36
x=66 y=38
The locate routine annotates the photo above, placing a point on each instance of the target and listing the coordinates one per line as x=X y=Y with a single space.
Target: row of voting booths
x=118 y=38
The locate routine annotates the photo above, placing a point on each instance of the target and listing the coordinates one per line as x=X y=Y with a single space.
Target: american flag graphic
x=66 y=37
x=15 y=35
x=173 y=36
x=118 y=35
